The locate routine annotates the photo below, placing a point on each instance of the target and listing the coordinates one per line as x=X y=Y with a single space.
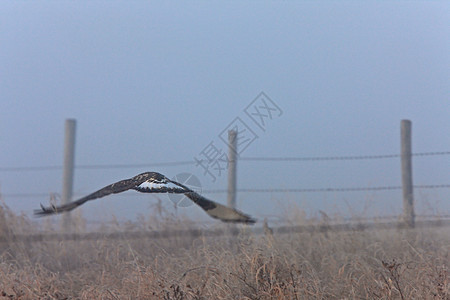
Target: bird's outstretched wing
x=152 y=182
x=219 y=211
x=114 y=188
x=149 y=182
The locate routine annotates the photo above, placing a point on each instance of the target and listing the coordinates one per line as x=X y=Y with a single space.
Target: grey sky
x=153 y=82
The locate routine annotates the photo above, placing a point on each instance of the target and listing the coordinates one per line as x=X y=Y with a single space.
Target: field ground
x=370 y=264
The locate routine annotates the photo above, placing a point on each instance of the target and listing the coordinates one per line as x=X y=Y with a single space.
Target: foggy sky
x=155 y=82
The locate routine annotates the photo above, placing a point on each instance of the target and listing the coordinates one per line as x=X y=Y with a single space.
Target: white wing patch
x=156 y=186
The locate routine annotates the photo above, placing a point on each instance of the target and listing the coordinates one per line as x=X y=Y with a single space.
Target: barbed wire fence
x=257 y=190
x=248 y=159
x=244 y=159
x=218 y=232
x=193 y=162
x=361 y=224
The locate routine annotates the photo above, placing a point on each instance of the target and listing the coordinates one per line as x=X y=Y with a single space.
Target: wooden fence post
x=407 y=181
x=232 y=153
x=232 y=161
x=69 y=155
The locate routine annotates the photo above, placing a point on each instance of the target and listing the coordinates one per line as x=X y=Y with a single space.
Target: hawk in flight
x=152 y=182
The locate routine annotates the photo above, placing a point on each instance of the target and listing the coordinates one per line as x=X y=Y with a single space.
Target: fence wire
x=265 y=190
x=195 y=233
x=193 y=162
x=355 y=157
x=320 y=190
x=249 y=159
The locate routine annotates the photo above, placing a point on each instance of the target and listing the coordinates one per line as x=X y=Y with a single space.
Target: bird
x=153 y=182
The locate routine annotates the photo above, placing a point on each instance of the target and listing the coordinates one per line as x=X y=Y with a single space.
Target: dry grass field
x=371 y=264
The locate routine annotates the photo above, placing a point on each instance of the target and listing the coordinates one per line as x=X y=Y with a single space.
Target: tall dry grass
x=384 y=264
